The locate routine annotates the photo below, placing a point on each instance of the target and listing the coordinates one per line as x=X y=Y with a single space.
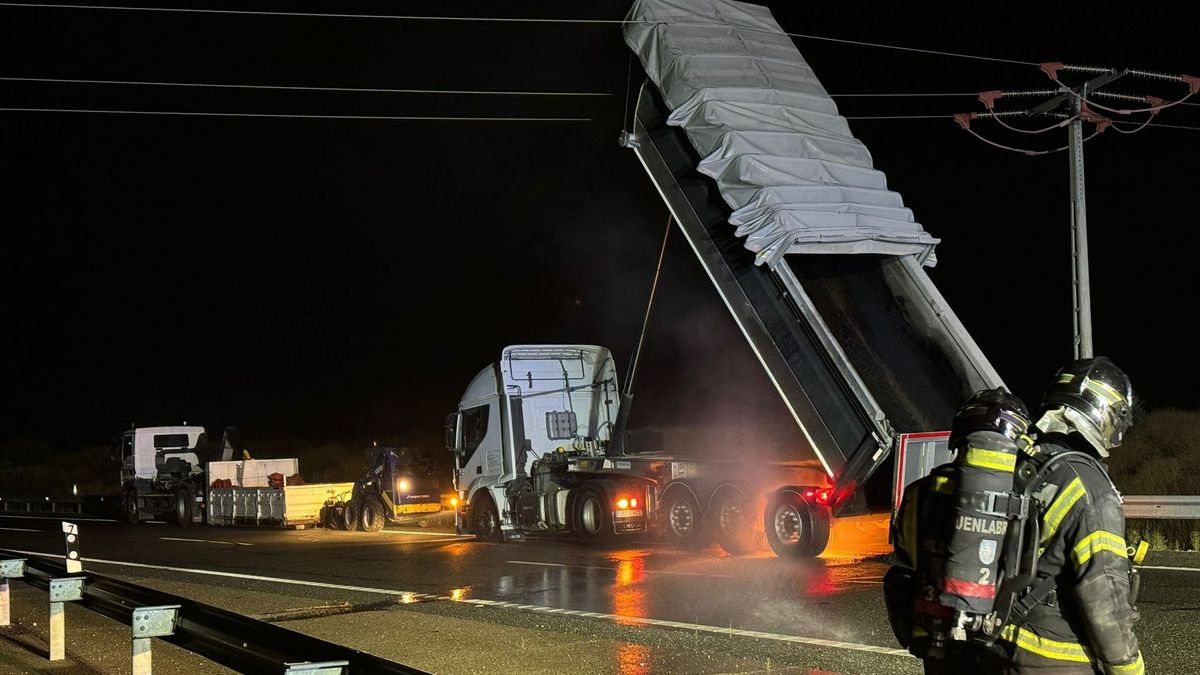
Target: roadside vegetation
x=1161 y=457
x=35 y=469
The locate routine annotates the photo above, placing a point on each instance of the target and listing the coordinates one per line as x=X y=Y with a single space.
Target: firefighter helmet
x=1096 y=398
x=991 y=410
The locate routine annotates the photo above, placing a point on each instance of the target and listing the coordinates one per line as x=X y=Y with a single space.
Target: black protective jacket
x=1088 y=620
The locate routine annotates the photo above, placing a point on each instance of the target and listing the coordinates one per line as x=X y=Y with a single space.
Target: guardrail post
x=148 y=623
x=9 y=569
x=62 y=590
x=317 y=668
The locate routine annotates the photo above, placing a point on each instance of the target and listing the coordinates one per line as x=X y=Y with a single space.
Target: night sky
x=343 y=279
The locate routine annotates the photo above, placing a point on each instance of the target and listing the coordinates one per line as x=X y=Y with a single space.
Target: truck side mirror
x=452 y=432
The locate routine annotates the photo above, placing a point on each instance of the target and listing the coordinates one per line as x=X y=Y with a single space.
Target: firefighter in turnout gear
x=1075 y=615
x=948 y=534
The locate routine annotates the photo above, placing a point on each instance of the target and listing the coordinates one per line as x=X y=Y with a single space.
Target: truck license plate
x=630 y=513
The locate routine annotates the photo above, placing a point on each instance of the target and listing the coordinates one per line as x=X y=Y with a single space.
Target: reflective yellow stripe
x=920 y=632
x=943 y=485
x=1138 y=667
x=1139 y=554
x=1102 y=389
x=1097 y=542
x=1066 y=378
x=1060 y=507
x=1051 y=649
x=991 y=459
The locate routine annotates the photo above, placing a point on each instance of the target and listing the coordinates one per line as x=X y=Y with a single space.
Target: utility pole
x=1074 y=105
x=1081 y=299
x=1080 y=279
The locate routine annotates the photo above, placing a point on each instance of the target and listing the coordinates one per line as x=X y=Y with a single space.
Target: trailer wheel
x=184 y=505
x=131 y=508
x=593 y=517
x=372 y=516
x=350 y=516
x=795 y=528
x=682 y=522
x=485 y=519
x=734 y=522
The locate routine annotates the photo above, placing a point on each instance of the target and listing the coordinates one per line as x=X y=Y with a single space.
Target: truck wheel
x=350 y=516
x=184 y=505
x=373 y=516
x=682 y=522
x=485 y=519
x=593 y=516
x=131 y=509
x=795 y=528
x=734 y=522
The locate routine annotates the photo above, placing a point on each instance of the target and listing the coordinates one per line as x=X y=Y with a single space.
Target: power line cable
x=906 y=95
x=319 y=15
x=499 y=19
x=897 y=117
x=418 y=118
x=931 y=117
x=379 y=90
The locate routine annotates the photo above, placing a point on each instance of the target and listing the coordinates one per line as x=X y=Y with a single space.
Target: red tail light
x=823 y=497
x=622 y=503
x=809 y=494
x=633 y=503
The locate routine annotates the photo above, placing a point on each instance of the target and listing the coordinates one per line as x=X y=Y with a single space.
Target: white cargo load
x=252 y=472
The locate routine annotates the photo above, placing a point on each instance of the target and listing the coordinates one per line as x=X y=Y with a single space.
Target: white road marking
x=431 y=534
x=19 y=529
x=617 y=569
x=1173 y=569
x=60 y=516
x=617 y=618
x=206 y=541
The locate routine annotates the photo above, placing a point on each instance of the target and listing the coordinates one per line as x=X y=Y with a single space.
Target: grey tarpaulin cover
x=770 y=136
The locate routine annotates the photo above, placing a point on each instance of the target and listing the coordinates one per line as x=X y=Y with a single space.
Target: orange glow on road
x=456 y=549
x=633 y=659
x=459 y=594
x=629 y=598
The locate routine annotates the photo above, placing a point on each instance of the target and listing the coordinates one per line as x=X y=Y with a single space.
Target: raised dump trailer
x=820 y=265
x=249 y=497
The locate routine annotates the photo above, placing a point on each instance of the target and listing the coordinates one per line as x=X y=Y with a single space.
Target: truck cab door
x=480 y=450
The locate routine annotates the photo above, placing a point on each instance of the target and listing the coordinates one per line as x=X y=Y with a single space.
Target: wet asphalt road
x=554 y=605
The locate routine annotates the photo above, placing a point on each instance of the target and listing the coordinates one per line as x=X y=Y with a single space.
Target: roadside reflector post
x=71 y=534
x=62 y=590
x=317 y=668
x=148 y=623
x=9 y=569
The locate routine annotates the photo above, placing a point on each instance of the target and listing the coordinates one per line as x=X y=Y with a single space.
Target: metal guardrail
x=1173 y=507
x=235 y=641
x=41 y=504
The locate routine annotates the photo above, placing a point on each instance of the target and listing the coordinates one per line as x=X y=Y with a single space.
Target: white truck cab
x=530 y=439
x=144 y=450
x=163 y=473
